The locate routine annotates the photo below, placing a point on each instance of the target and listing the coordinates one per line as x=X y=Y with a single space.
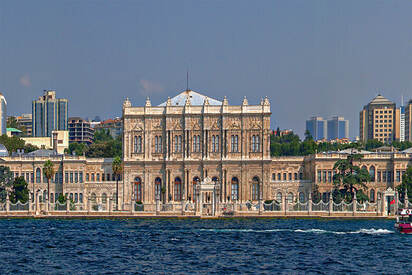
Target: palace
x=170 y=150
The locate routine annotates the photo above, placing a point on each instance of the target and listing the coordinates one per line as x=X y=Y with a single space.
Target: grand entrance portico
x=207 y=193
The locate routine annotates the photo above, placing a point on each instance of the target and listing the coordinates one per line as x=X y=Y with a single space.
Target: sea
x=203 y=246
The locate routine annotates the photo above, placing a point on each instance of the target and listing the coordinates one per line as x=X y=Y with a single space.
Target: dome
x=3 y=151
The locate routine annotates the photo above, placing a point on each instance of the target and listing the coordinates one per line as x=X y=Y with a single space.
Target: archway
x=178 y=189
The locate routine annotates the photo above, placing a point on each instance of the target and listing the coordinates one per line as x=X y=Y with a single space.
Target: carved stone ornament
x=138 y=126
x=157 y=124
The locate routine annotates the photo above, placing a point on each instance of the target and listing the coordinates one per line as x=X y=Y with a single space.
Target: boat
x=404 y=221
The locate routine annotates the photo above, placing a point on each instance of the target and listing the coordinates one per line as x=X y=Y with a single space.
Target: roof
x=195 y=99
x=379 y=99
x=13 y=130
x=42 y=153
x=3 y=151
x=407 y=151
x=354 y=151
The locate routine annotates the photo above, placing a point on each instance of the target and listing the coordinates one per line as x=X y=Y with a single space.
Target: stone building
x=170 y=148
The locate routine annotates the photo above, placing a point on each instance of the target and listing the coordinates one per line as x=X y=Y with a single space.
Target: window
x=324 y=176
x=379 y=176
x=196 y=181
x=76 y=177
x=71 y=177
x=273 y=177
x=295 y=176
x=319 y=176
x=290 y=176
x=290 y=197
x=235 y=143
x=284 y=176
x=158 y=188
x=38 y=175
x=279 y=197
x=56 y=177
x=256 y=143
x=92 y=177
x=104 y=198
x=66 y=177
x=178 y=144
x=87 y=177
x=255 y=188
x=196 y=143
x=301 y=197
x=178 y=189
x=137 y=189
x=51 y=197
x=81 y=197
x=76 y=198
x=215 y=144
x=372 y=195
x=158 y=144
x=138 y=144
x=398 y=175
x=372 y=173
x=279 y=176
x=103 y=177
x=384 y=176
x=32 y=177
x=235 y=189
x=300 y=176
x=329 y=176
x=97 y=177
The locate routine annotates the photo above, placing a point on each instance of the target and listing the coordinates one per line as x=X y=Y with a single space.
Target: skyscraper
x=338 y=128
x=3 y=114
x=380 y=120
x=49 y=113
x=317 y=127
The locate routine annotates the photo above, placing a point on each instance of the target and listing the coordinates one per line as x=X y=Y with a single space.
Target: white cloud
x=148 y=87
x=25 y=81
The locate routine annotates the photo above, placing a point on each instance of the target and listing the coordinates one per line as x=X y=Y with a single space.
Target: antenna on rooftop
x=402 y=101
x=187 y=79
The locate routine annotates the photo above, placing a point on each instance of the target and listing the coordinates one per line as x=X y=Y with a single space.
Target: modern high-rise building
x=338 y=128
x=317 y=127
x=408 y=121
x=380 y=120
x=49 y=114
x=402 y=123
x=3 y=115
x=80 y=131
x=25 y=123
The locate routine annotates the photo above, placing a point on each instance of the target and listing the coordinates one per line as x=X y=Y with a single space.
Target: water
x=228 y=246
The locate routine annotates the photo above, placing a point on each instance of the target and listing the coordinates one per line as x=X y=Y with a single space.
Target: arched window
x=372 y=195
x=51 y=198
x=158 y=187
x=81 y=197
x=38 y=175
x=93 y=198
x=279 y=197
x=257 y=142
x=290 y=197
x=295 y=176
x=76 y=198
x=178 y=189
x=104 y=198
x=137 y=189
x=235 y=189
x=372 y=173
x=255 y=188
x=273 y=177
x=279 y=176
x=301 y=197
x=44 y=196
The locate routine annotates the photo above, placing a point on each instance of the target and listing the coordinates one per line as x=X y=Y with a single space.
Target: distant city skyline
x=309 y=58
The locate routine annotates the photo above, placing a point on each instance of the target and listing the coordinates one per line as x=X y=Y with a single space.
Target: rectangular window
x=235 y=191
x=32 y=177
x=235 y=143
x=398 y=175
x=76 y=177
x=92 y=177
x=255 y=191
x=384 y=176
x=390 y=176
x=319 y=176
x=279 y=176
x=295 y=176
x=102 y=177
x=81 y=177
x=290 y=176
x=87 y=177
x=66 y=177
x=329 y=176
x=97 y=177
x=284 y=176
x=301 y=176
x=71 y=177
x=324 y=176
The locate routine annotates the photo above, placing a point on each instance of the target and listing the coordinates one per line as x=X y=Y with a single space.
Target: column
x=285 y=203
x=330 y=204
x=355 y=203
x=310 y=204
x=67 y=205
x=7 y=203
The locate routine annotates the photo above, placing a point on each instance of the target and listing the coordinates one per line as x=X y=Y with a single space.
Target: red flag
x=393 y=201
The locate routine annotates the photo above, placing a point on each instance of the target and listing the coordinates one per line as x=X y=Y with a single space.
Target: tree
x=349 y=178
x=14 y=143
x=6 y=181
x=20 y=191
x=117 y=168
x=316 y=197
x=406 y=184
x=373 y=144
x=12 y=122
x=308 y=135
x=48 y=170
x=77 y=148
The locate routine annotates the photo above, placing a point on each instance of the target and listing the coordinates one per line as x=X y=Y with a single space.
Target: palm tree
x=48 y=171
x=117 y=168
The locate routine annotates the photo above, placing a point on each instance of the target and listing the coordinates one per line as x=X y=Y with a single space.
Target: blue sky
x=309 y=57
